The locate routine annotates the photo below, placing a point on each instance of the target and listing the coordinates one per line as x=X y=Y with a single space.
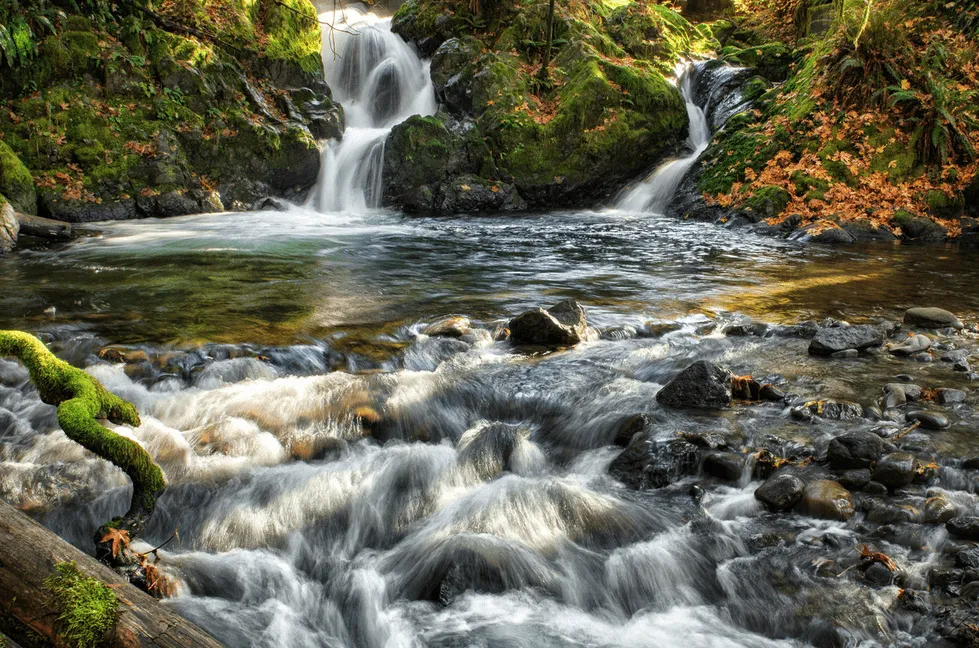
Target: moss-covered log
x=81 y=403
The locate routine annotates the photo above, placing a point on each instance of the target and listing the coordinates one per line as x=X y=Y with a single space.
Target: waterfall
x=380 y=81
x=656 y=191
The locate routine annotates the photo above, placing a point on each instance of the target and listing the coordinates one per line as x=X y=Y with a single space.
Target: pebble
x=924 y=356
x=904 y=377
x=895 y=396
x=912 y=345
x=875 y=488
x=928 y=420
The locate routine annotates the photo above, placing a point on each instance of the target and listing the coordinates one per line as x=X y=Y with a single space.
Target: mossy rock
x=772 y=61
x=766 y=202
x=944 y=205
x=918 y=228
x=16 y=182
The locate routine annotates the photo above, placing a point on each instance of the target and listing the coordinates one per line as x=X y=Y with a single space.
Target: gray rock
x=724 y=465
x=928 y=420
x=966 y=527
x=453 y=327
x=894 y=396
x=857 y=449
x=948 y=396
x=702 y=385
x=875 y=488
x=878 y=574
x=855 y=479
x=629 y=428
x=647 y=463
x=9 y=226
x=827 y=499
x=831 y=410
x=910 y=391
x=780 y=492
x=912 y=345
x=563 y=324
x=770 y=392
x=896 y=470
x=924 y=356
x=931 y=318
x=843 y=355
x=939 y=510
x=842 y=338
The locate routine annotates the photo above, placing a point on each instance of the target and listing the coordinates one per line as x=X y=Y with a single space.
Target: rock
x=909 y=391
x=928 y=420
x=844 y=355
x=832 y=410
x=914 y=344
x=453 y=327
x=560 y=325
x=702 y=385
x=724 y=465
x=962 y=366
x=931 y=318
x=878 y=574
x=857 y=449
x=827 y=499
x=630 y=427
x=894 y=396
x=924 y=356
x=52 y=205
x=647 y=463
x=780 y=492
x=968 y=558
x=896 y=470
x=875 y=488
x=855 y=479
x=966 y=527
x=842 y=338
x=939 y=510
x=9 y=226
x=770 y=392
x=16 y=183
x=947 y=396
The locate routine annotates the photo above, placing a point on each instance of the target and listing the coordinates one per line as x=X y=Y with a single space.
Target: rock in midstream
x=835 y=339
x=912 y=345
x=931 y=318
x=857 y=449
x=702 y=385
x=563 y=324
x=780 y=492
x=896 y=469
x=928 y=420
x=649 y=463
x=828 y=500
x=454 y=327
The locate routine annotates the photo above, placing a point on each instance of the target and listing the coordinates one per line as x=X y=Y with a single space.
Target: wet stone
x=771 y=393
x=924 y=356
x=843 y=355
x=878 y=574
x=966 y=527
x=827 y=499
x=947 y=396
x=858 y=449
x=875 y=488
x=896 y=470
x=904 y=378
x=842 y=338
x=962 y=366
x=855 y=479
x=780 y=492
x=630 y=427
x=955 y=355
x=938 y=510
x=931 y=318
x=895 y=397
x=703 y=385
x=968 y=558
x=453 y=327
x=724 y=465
x=563 y=324
x=646 y=463
x=928 y=420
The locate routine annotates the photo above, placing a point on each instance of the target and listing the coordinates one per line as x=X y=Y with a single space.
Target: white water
x=656 y=191
x=380 y=81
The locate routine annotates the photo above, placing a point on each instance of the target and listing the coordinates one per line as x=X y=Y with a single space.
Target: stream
x=341 y=476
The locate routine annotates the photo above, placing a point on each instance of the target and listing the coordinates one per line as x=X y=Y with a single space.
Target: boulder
x=630 y=427
x=9 y=226
x=857 y=449
x=928 y=420
x=843 y=338
x=966 y=527
x=939 y=510
x=563 y=324
x=931 y=318
x=724 y=465
x=648 y=463
x=703 y=385
x=827 y=499
x=16 y=183
x=780 y=492
x=896 y=470
x=948 y=396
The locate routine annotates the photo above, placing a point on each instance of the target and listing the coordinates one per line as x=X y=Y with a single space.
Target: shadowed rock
x=843 y=338
x=931 y=318
x=563 y=324
x=703 y=385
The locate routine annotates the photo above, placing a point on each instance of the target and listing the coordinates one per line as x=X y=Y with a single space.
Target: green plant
x=88 y=606
x=944 y=114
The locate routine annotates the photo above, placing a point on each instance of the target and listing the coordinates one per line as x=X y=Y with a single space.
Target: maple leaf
x=119 y=539
x=905 y=84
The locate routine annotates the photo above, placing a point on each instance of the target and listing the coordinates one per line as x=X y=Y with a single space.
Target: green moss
x=88 y=607
x=81 y=402
x=293 y=32
x=767 y=202
x=16 y=181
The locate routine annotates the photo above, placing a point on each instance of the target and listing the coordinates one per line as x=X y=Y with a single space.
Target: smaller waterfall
x=380 y=81
x=655 y=192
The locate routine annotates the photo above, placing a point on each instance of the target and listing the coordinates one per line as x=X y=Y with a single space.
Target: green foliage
x=944 y=116
x=88 y=607
x=15 y=181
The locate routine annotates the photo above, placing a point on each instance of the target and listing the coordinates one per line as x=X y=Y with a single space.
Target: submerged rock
x=563 y=324
x=780 y=492
x=931 y=318
x=703 y=385
x=724 y=465
x=828 y=500
x=843 y=338
x=896 y=470
x=647 y=463
x=453 y=327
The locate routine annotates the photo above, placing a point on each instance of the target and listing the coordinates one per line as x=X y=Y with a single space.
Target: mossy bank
x=187 y=108
x=506 y=137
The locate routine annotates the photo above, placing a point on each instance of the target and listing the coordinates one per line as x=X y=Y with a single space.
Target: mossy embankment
x=870 y=132
x=116 y=112
x=605 y=114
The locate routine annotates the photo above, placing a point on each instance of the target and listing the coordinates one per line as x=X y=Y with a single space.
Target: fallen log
x=44 y=228
x=29 y=610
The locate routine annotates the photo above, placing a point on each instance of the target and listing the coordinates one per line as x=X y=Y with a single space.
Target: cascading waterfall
x=656 y=191
x=380 y=81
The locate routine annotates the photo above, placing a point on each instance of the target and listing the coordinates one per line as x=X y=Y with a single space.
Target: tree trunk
x=544 y=71
x=28 y=554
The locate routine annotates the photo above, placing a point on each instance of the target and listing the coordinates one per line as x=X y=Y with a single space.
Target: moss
x=16 y=181
x=767 y=202
x=81 y=402
x=292 y=32
x=88 y=607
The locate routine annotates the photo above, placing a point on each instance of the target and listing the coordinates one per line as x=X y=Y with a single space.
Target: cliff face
x=132 y=113
x=506 y=137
